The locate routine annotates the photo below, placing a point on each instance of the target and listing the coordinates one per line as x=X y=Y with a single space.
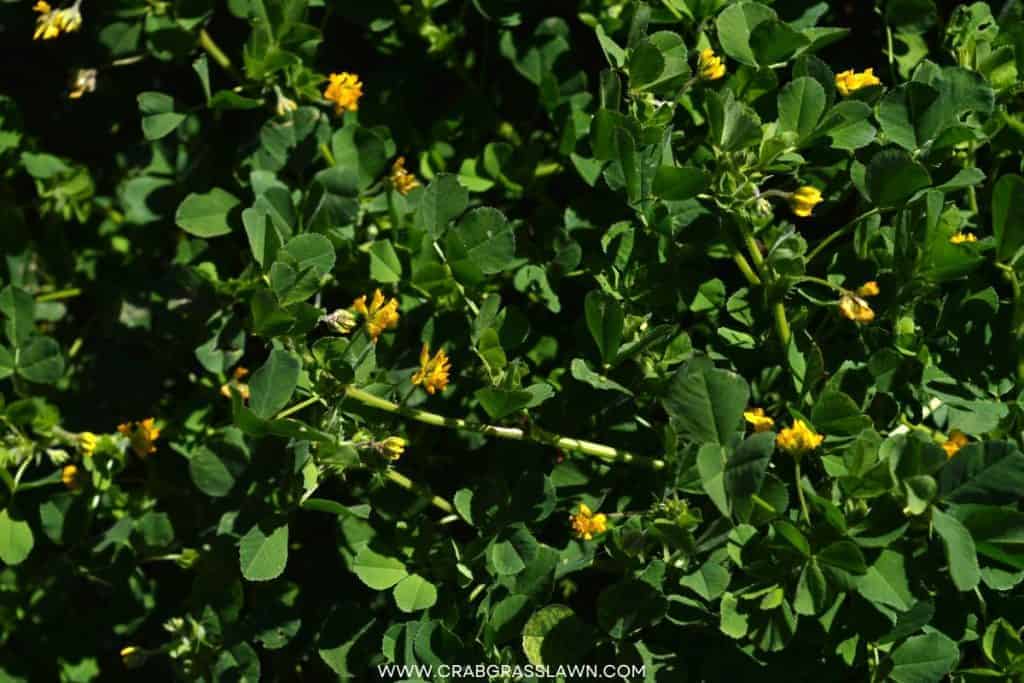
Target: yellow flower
x=142 y=435
x=285 y=105
x=962 y=237
x=433 y=372
x=855 y=308
x=954 y=443
x=848 y=81
x=760 y=421
x=869 y=288
x=85 y=82
x=51 y=23
x=344 y=90
x=709 y=65
x=585 y=523
x=87 y=442
x=133 y=657
x=403 y=181
x=241 y=387
x=70 y=475
x=379 y=316
x=392 y=447
x=798 y=439
x=804 y=200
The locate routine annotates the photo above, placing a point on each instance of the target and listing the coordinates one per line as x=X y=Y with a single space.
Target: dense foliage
x=685 y=334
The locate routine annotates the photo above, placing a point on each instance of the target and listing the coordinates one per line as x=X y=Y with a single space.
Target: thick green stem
x=411 y=486
x=744 y=266
x=782 y=323
x=778 y=308
x=597 y=450
x=207 y=43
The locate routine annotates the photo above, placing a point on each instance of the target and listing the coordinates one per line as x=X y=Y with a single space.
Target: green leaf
x=774 y=42
x=604 y=320
x=264 y=239
x=206 y=215
x=674 y=183
x=263 y=552
x=581 y=371
x=746 y=467
x=893 y=178
x=16 y=539
x=711 y=467
x=836 y=413
x=628 y=606
x=6 y=363
x=801 y=105
x=707 y=402
x=843 y=555
x=18 y=308
x=991 y=472
x=1008 y=216
x=960 y=551
x=555 y=635
x=379 y=572
x=735 y=24
x=734 y=125
x=273 y=384
x=886 y=582
x=40 y=360
x=441 y=202
x=501 y=402
x=480 y=244
x=812 y=594
x=513 y=551
x=362 y=149
x=414 y=593
x=924 y=659
x=210 y=473
x=384 y=264
x=159 y=118
x=900 y=113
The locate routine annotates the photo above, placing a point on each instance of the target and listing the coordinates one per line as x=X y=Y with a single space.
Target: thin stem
x=597 y=450
x=328 y=156
x=458 y=285
x=800 y=492
x=838 y=234
x=411 y=486
x=297 y=407
x=60 y=294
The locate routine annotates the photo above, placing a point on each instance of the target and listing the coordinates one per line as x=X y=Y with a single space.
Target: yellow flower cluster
x=798 y=439
x=853 y=306
x=392 y=447
x=585 y=524
x=963 y=238
x=954 y=443
x=757 y=418
x=379 y=315
x=52 y=22
x=402 y=180
x=71 y=477
x=344 y=90
x=848 y=81
x=710 y=66
x=804 y=199
x=142 y=435
x=87 y=442
x=235 y=382
x=433 y=372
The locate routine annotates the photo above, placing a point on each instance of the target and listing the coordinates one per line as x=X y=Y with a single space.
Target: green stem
x=207 y=42
x=838 y=234
x=606 y=453
x=1018 y=313
x=328 y=156
x=60 y=294
x=800 y=492
x=411 y=486
x=744 y=266
x=782 y=323
x=297 y=407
